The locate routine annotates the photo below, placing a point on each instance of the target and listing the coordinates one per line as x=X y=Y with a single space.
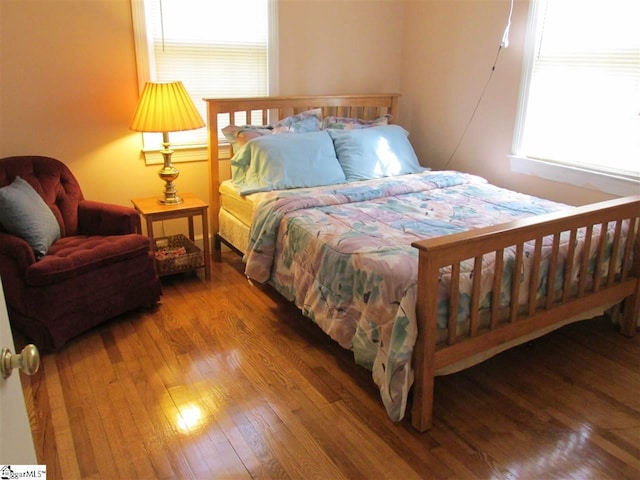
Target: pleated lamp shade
x=165 y=107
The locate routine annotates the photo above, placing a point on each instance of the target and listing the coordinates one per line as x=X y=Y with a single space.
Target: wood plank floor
x=227 y=380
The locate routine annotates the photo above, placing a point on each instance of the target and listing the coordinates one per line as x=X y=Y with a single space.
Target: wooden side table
x=152 y=211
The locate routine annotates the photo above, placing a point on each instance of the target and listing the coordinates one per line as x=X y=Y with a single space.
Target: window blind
x=581 y=98
x=216 y=48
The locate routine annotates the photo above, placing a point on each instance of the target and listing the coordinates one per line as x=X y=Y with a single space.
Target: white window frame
x=195 y=152
x=573 y=175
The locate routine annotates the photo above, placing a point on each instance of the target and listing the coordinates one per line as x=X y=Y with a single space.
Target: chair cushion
x=72 y=256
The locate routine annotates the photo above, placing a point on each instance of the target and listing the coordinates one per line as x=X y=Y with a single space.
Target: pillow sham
x=24 y=213
x=238 y=135
x=347 y=123
x=278 y=162
x=375 y=152
x=308 y=121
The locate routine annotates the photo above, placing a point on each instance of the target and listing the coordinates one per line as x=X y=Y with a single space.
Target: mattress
x=237 y=211
x=242 y=207
x=235 y=215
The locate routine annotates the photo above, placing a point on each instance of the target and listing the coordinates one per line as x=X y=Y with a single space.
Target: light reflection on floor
x=189 y=418
x=196 y=403
x=557 y=460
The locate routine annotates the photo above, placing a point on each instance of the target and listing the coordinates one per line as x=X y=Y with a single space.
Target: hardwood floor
x=228 y=380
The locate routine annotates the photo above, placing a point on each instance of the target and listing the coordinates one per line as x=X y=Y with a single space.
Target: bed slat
x=515 y=286
x=602 y=243
x=584 y=263
x=634 y=229
x=454 y=294
x=615 y=252
x=533 y=279
x=570 y=261
x=553 y=269
x=497 y=288
x=475 y=295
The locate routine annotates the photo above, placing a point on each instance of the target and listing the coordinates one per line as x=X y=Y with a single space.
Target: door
x=16 y=442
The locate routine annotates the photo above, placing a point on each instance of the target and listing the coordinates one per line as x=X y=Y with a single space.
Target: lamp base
x=174 y=200
x=168 y=173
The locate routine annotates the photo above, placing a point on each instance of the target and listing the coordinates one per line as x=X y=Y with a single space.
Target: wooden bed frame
x=617 y=290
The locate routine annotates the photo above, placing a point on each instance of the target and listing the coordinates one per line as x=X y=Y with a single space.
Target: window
x=580 y=98
x=202 y=43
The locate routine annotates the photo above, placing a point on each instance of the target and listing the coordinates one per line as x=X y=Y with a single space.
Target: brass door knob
x=28 y=360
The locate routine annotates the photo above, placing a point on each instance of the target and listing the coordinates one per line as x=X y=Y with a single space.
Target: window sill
x=194 y=153
x=615 y=185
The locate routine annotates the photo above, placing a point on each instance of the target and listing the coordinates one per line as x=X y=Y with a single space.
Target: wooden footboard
x=598 y=284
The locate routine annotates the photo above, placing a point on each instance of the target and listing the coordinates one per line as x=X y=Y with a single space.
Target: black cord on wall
x=504 y=43
x=473 y=114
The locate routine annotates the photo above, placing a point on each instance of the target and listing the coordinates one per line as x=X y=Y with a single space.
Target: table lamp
x=166 y=107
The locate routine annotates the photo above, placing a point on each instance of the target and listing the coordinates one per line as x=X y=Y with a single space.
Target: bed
x=413 y=272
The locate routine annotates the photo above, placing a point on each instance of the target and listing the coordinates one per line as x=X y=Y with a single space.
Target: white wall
x=450 y=47
x=68 y=83
x=340 y=46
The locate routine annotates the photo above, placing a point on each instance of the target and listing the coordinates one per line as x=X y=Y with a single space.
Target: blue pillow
x=278 y=162
x=24 y=213
x=375 y=152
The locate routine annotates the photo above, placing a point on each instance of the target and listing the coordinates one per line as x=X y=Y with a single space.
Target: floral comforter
x=343 y=255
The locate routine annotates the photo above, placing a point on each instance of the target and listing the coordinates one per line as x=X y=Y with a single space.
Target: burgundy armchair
x=99 y=267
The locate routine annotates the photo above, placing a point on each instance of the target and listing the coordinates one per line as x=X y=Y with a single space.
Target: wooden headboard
x=271 y=109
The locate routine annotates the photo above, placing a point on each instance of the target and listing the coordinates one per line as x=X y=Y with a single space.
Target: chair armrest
x=97 y=218
x=17 y=250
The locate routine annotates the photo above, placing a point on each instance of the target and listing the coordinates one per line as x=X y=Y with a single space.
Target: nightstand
x=152 y=211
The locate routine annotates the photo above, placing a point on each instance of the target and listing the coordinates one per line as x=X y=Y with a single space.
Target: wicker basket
x=177 y=253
